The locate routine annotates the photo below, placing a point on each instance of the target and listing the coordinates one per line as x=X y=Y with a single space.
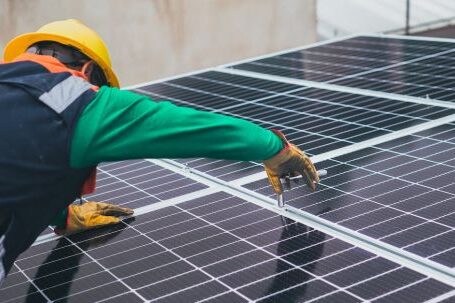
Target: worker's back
x=37 y=117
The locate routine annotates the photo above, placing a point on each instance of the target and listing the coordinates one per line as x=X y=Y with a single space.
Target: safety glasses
x=66 y=55
x=70 y=57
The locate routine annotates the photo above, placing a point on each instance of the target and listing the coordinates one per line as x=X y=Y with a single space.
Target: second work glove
x=290 y=161
x=90 y=215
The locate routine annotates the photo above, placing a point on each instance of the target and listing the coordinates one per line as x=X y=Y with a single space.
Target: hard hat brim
x=22 y=42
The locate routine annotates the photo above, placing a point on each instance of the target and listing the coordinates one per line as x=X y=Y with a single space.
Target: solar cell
x=401 y=192
x=217 y=248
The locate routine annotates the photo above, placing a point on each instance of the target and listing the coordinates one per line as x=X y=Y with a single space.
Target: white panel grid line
x=82 y=291
x=415 y=38
x=108 y=165
x=29 y=280
x=388 y=43
x=105 y=269
x=427 y=85
x=112 y=298
x=135 y=170
x=128 y=184
x=236 y=85
x=442 y=297
x=400 y=288
x=225 y=163
x=442 y=251
x=331 y=55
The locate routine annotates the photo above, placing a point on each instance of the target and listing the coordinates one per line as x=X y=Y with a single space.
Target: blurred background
x=152 y=39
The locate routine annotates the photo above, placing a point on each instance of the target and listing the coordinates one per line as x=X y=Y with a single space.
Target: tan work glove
x=290 y=161
x=91 y=215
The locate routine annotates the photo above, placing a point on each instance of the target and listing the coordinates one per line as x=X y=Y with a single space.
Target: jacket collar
x=50 y=63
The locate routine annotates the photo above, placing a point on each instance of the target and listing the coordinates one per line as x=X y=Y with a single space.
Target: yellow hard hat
x=69 y=32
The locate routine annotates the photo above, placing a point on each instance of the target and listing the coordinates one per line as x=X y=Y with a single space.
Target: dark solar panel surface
x=316 y=120
x=401 y=192
x=409 y=67
x=217 y=248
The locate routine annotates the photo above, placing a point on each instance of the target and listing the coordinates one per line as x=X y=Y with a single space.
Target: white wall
x=151 y=39
x=343 y=17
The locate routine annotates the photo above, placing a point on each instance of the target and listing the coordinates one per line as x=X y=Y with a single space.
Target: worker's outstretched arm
x=121 y=125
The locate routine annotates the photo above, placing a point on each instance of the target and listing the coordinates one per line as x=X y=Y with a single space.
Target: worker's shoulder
x=116 y=93
x=111 y=98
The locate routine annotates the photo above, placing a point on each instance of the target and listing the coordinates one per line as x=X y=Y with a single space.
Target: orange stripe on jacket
x=52 y=65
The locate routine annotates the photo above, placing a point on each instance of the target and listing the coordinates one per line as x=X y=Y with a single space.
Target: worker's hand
x=290 y=161
x=90 y=215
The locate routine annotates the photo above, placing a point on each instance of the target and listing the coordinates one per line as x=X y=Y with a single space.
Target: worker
x=61 y=114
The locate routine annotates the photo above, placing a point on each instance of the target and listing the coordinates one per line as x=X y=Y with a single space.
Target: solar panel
x=217 y=248
x=196 y=237
x=417 y=68
x=401 y=192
